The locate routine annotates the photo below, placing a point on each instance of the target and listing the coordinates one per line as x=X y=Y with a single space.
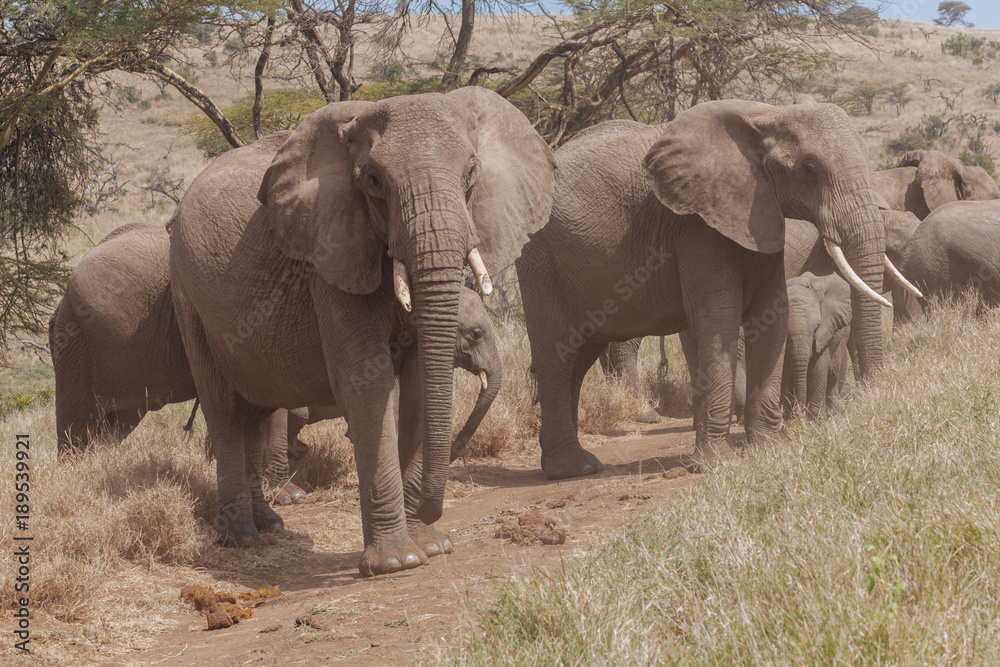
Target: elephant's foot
x=570 y=461
x=706 y=455
x=266 y=519
x=430 y=539
x=235 y=526
x=651 y=417
x=391 y=554
x=284 y=494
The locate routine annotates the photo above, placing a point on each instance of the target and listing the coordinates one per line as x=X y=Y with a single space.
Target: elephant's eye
x=810 y=167
x=373 y=181
x=477 y=334
x=473 y=172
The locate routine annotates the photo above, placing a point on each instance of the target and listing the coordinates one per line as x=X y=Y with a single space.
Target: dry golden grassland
x=871 y=537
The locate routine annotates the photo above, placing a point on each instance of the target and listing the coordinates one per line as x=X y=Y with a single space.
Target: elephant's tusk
x=484 y=380
x=479 y=270
x=400 y=285
x=898 y=277
x=856 y=282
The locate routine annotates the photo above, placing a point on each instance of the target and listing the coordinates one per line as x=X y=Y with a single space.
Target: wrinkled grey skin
x=116 y=349
x=957 y=247
x=283 y=286
x=819 y=322
x=925 y=180
x=475 y=351
x=627 y=252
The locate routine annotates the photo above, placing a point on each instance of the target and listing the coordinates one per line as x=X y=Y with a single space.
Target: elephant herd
x=941 y=224
x=318 y=273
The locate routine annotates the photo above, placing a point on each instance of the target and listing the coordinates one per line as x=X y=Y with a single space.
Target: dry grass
x=871 y=538
x=105 y=510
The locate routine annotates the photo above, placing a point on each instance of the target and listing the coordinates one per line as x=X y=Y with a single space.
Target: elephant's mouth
x=401 y=284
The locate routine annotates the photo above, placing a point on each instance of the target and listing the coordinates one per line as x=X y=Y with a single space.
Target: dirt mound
x=220 y=608
x=531 y=527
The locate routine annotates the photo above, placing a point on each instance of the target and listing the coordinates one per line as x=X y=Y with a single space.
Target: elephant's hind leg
x=237 y=431
x=554 y=353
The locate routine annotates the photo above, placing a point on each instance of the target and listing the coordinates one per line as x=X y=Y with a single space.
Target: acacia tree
x=952 y=13
x=49 y=52
x=648 y=60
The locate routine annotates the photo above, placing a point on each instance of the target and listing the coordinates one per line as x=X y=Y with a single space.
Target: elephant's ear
x=313 y=208
x=709 y=161
x=834 y=295
x=937 y=174
x=512 y=196
x=976 y=184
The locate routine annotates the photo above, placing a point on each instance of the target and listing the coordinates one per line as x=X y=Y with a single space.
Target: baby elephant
x=819 y=323
x=117 y=351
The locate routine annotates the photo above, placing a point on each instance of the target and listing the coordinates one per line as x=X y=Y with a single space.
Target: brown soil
x=327 y=613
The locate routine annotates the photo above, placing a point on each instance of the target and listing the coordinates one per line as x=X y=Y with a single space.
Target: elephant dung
x=259 y=596
x=219 y=607
x=531 y=527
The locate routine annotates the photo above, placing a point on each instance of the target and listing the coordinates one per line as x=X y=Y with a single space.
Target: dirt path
x=407 y=617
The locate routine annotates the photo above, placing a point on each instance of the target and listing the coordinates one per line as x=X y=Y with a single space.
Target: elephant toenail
x=411 y=560
x=432 y=549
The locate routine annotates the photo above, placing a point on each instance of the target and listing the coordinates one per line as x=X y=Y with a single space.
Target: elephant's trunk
x=435 y=253
x=493 y=375
x=862 y=239
x=799 y=348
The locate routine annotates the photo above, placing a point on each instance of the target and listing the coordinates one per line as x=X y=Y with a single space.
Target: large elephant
x=284 y=262
x=955 y=248
x=925 y=180
x=819 y=322
x=117 y=352
x=657 y=229
x=116 y=349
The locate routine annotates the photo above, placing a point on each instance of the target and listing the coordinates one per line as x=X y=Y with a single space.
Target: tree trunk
x=461 y=51
x=258 y=79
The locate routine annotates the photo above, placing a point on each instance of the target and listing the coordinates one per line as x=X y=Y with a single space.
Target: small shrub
x=871 y=31
x=129 y=94
x=212 y=57
x=977 y=154
x=968 y=46
x=992 y=92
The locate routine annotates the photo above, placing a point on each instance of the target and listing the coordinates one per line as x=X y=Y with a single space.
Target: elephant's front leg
x=765 y=327
x=712 y=303
x=428 y=538
x=367 y=396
